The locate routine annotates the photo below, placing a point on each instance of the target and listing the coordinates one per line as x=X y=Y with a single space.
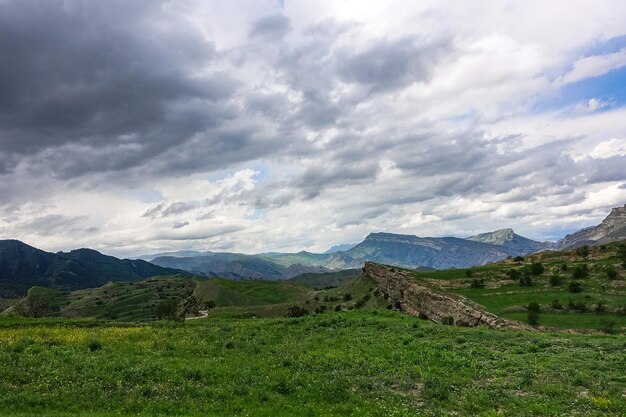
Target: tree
x=36 y=304
x=514 y=274
x=581 y=271
x=296 y=311
x=209 y=304
x=536 y=268
x=611 y=273
x=575 y=287
x=526 y=281
x=478 y=283
x=583 y=251
x=519 y=259
x=168 y=310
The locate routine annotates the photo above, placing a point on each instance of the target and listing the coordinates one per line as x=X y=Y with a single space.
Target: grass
x=360 y=363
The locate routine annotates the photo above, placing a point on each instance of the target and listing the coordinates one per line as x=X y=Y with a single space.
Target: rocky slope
x=612 y=229
x=422 y=299
x=23 y=266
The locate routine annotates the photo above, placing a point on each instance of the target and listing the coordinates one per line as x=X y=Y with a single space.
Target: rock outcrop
x=612 y=228
x=422 y=299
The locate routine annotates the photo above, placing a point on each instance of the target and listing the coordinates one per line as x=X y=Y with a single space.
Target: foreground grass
x=362 y=363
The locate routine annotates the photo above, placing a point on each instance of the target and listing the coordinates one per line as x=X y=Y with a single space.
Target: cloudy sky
x=141 y=126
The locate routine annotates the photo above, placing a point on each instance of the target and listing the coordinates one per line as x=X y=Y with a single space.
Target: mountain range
x=406 y=251
x=23 y=266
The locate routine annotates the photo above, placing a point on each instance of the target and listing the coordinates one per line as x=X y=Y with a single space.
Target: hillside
x=23 y=266
x=235 y=266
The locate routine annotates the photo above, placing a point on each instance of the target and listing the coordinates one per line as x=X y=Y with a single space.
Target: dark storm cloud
x=101 y=87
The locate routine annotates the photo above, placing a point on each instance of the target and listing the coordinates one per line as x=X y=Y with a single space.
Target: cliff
x=421 y=299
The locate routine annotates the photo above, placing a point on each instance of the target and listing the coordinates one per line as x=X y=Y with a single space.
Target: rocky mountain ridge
x=612 y=228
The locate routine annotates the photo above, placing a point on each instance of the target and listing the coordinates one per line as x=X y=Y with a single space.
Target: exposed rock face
x=422 y=299
x=612 y=228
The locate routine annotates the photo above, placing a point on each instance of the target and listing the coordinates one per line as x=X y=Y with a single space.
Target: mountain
x=612 y=229
x=406 y=251
x=23 y=266
x=342 y=247
x=440 y=253
x=236 y=266
x=509 y=239
x=177 y=254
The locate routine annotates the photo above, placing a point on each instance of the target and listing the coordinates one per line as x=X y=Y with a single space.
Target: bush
x=581 y=271
x=583 y=251
x=600 y=308
x=478 y=283
x=533 y=317
x=556 y=280
x=519 y=259
x=94 y=345
x=296 y=311
x=564 y=267
x=469 y=273
x=338 y=307
x=448 y=320
x=167 y=310
x=514 y=274
x=575 y=287
x=556 y=304
x=533 y=307
x=608 y=326
x=526 y=281
x=536 y=268
x=611 y=273
x=347 y=297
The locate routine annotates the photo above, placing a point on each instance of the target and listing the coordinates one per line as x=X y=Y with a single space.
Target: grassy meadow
x=360 y=362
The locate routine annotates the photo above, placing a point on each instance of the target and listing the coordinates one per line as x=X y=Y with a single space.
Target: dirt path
x=202 y=314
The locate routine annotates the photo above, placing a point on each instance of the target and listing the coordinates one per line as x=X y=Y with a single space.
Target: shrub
x=583 y=251
x=533 y=307
x=448 y=320
x=167 y=310
x=296 y=311
x=556 y=304
x=581 y=271
x=478 y=283
x=575 y=287
x=347 y=297
x=608 y=326
x=209 y=304
x=564 y=267
x=469 y=273
x=536 y=268
x=556 y=280
x=338 y=307
x=526 y=281
x=611 y=273
x=580 y=306
x=514 y=274
x=600 y=308
x=94 y=345
x=533 y=317
x=519 y=259
x=316 y=298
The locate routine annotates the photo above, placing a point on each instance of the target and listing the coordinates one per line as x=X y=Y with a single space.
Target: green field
x=360 y=363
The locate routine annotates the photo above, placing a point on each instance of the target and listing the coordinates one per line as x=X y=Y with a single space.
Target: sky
x=135 y=127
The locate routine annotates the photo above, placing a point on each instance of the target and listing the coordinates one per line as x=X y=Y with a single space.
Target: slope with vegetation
x=358 y=363
x=23 y=266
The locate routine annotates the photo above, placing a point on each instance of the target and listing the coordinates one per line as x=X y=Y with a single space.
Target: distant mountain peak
x=497 y=237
